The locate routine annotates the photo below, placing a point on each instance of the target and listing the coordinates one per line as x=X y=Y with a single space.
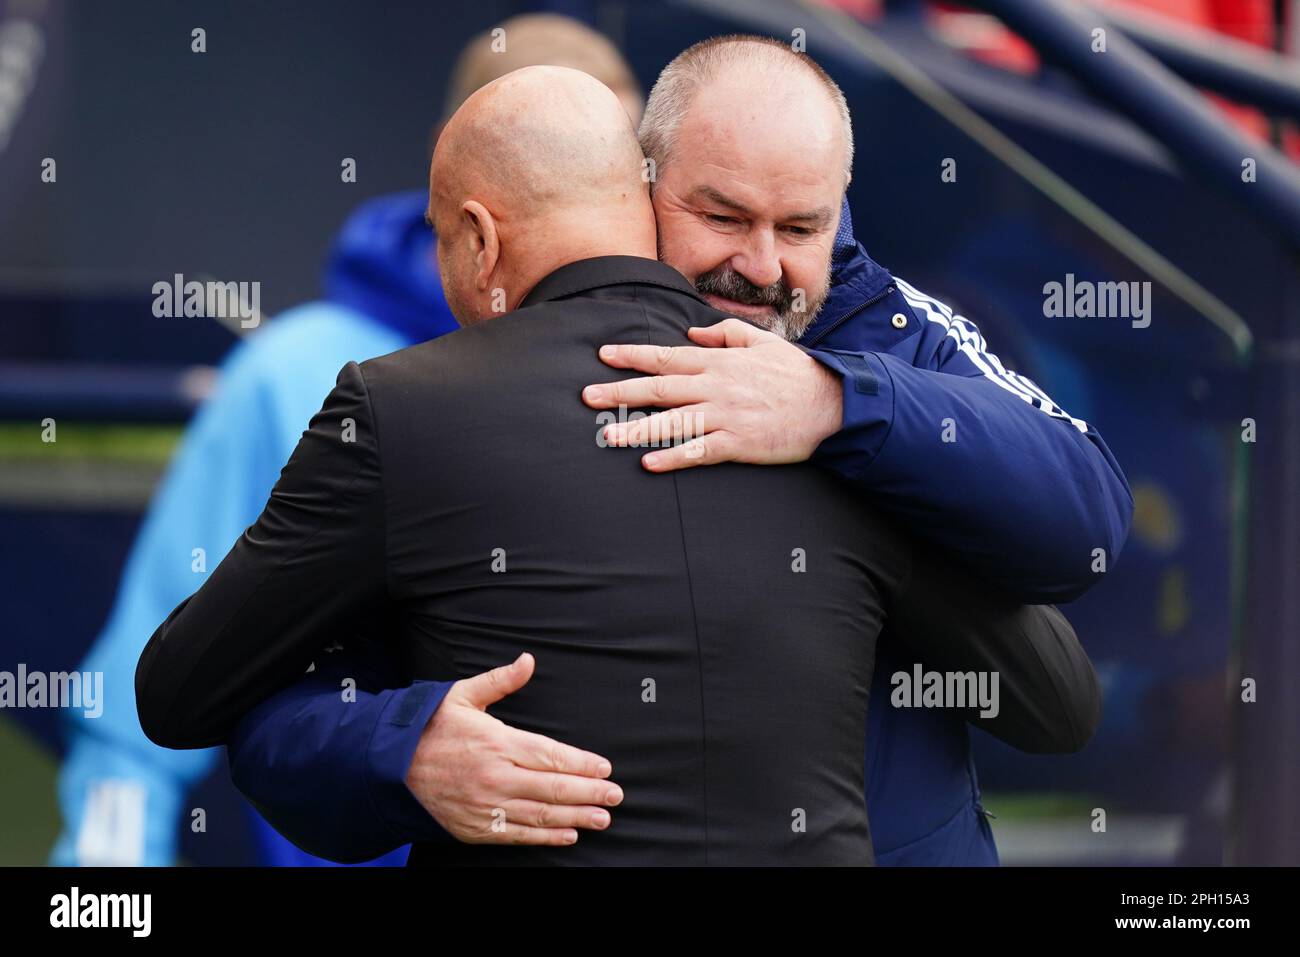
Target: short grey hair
x=674 y=91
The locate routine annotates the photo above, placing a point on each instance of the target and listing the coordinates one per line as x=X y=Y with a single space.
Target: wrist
x=392 y=757
x=828 y=403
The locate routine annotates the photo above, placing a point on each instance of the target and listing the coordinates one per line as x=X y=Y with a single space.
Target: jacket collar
x=587 y=274
x=851 y=266
x=856 y=280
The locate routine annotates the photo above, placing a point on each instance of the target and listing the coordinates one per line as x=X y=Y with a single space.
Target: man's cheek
x=813 y=277
x=678 y=255
x=692 y=252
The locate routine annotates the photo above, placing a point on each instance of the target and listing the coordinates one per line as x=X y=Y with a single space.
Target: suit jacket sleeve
x=308 y=573
x=1047 y=696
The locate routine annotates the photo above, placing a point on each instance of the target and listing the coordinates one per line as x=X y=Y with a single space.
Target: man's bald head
x=535 y=170
x=536 y=140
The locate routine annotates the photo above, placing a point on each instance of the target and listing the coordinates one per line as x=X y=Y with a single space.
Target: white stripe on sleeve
x=972 y=345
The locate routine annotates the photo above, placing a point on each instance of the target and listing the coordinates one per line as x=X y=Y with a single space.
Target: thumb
x=728 y=332
x=491 y=686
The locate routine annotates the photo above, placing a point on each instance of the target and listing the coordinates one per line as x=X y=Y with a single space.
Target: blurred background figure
x=236 y=140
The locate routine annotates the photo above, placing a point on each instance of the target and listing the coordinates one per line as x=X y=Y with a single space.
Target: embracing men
x=709 y=632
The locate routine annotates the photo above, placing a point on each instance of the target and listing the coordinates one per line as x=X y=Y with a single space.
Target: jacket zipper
x=849 y=315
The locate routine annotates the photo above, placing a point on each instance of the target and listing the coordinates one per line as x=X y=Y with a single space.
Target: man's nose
x=758 y=261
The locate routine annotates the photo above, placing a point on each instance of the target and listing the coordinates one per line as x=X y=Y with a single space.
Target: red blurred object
x=984 y=38
x=1248 y=20
x=865 y=10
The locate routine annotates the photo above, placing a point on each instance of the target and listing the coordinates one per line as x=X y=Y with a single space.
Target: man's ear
x=483 y=236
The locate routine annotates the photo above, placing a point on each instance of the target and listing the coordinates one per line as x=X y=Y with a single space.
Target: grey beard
x=786 y=321
x=790 y=326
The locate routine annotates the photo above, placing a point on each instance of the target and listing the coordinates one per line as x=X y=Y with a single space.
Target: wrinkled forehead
x=782 y=147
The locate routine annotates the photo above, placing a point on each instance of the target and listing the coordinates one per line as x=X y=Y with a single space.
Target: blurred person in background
x=121 y=796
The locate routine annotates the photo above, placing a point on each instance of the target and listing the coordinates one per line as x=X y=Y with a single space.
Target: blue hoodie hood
x=383 y=266
x=856 y=280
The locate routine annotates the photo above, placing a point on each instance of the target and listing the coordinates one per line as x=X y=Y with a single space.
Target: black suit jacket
x=453 y=496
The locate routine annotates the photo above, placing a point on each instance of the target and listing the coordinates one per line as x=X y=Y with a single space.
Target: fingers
x=537 y=814
x=660 y=390
x=465 y=774
x=540 y=753
x=656 y=360
x=508 y=833
x=560 y=789
x=659 y=429
x=706 y=450
x=491 y=686
x=535 y=822
x=729 y=333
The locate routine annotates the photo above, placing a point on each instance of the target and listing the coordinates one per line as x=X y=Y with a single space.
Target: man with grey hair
x=748 y=194
x=716 y=79
x=749 y=197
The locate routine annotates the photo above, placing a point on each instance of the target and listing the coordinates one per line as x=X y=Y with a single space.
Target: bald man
x=123 y=799
x=453 y=492
x=560 y=193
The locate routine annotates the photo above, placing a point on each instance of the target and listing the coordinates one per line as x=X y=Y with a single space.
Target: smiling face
x=748 y=200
